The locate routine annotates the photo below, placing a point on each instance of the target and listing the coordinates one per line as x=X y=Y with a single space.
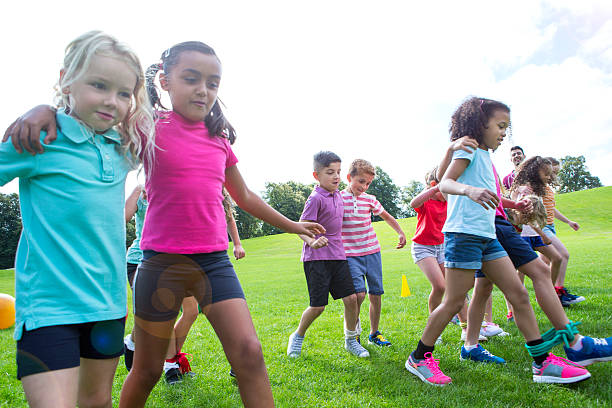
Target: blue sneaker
x=378 y=339
x=593 y=350
x=480 y=355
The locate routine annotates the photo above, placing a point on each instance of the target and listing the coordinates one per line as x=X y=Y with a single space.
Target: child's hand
x=466 y=143
x=573 y=225
x=239 y=252
x=484 y=197
x=25 y=131
x=318 y=243
x=307 y=228
x=525 y=206
x=402 y=242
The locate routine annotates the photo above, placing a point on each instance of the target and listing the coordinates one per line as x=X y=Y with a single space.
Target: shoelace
x=296 y=344
x=432 y=364
x=381 y=338
x=561 y=361
x=600 y=342
x=181 y=359
x=487 y=352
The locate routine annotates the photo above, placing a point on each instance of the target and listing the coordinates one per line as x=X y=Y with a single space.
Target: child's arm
x=131 y=204
x=25 y=131
x=232 y=230
x=573 y=225
x=525 y=205
x=465 y=143
x=423 y=196
x=254 y=205
x=314 y=243
x=449 y=185
x=545 y=238
x=396 y=227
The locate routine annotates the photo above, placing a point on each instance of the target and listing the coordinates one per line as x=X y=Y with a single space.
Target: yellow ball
x=7 y=311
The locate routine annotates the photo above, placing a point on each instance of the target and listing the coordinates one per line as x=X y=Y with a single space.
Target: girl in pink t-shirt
x=184 y=239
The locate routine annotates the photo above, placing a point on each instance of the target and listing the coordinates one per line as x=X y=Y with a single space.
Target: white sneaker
x=353 y=347
x=294 y=348
x=439 y=341
x=464 y=335
x=490 y=330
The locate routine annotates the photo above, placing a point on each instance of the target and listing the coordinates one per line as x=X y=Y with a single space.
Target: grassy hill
x=327 y=376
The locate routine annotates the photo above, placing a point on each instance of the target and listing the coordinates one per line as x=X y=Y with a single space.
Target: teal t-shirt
x=70 y=263
x=464 y=215
x=134 y=253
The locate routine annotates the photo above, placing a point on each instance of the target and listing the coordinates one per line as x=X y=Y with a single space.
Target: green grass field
x=327 y=376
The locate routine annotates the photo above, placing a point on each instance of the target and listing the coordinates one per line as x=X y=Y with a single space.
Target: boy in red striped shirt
x=361 y=245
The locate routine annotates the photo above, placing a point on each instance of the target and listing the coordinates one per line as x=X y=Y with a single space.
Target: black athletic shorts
x=324 y=277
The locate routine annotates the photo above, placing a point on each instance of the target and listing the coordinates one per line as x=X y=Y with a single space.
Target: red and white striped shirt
x=358 y=235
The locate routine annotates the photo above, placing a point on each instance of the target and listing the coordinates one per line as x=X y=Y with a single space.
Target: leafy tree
x=288 y=199
x=386 y=192
x=408 y=193
x=10 y=229
x=574 y=175
x=248 y=226
x=130 y=232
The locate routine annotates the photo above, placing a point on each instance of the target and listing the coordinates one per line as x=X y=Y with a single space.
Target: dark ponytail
x=215 y=121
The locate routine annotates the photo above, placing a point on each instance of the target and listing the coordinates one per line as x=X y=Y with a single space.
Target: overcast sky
x=374 y=80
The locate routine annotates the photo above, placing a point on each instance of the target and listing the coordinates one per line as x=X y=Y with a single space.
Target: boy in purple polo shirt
x=324 y=259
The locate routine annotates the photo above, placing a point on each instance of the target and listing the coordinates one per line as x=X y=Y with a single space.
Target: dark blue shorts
x=53 y=348
x=468 y=251
x=163 y=280
x=534 y=242
x=518 y=250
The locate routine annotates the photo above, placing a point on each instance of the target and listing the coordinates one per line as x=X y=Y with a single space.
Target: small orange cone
x=405 y=288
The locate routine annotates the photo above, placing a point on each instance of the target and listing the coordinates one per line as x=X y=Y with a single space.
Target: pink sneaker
x=427 y=370
x=558 y=370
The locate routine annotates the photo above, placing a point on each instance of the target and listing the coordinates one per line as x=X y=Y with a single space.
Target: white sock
x=578 y=345
x=168 y=366
x=350 y=334
x=129 y=342
x=469 y=348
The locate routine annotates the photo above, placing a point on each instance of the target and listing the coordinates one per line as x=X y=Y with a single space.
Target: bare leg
x=435 y=275
x=480 y=297
x=153 y=339
x=375 y=308
x=308 y=316
x=232 y=323
x=96 y=382
x=351 y=311
x=52 y=389
x=183 y=325
x=555 y=260
x=564 y=253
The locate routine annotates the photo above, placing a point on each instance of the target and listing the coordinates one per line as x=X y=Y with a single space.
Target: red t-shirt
x=430 y=220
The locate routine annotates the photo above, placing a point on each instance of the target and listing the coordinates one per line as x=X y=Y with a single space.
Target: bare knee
x=317 y=310
x=100 y=398
x=438 y=288
x=249 y=354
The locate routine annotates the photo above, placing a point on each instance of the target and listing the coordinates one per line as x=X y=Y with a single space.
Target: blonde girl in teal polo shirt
x=70 y=263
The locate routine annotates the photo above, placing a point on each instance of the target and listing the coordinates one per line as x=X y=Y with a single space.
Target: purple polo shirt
x=327 y=209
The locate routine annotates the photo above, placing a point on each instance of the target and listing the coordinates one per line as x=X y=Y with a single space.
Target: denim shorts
x=367 y=268
x=550 y=230
x=518 y=250
x=467 y=251
x=534 y=242
x=420 y=251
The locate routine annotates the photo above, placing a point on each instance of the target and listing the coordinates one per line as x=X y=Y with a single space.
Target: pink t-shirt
x=358 y=236
x=184 y=188
x=499 y=211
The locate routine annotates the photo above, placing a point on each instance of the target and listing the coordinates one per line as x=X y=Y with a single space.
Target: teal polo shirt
x=70 y=263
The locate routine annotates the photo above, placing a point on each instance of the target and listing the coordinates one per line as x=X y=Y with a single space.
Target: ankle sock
x=470 y=348
x=350 y=334
x=421 y=349
x=169 y=365
x=578 y=345
x=129 y=342
x=538 y=359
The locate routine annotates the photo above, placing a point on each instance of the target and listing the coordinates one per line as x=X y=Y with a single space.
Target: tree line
x=289 y=197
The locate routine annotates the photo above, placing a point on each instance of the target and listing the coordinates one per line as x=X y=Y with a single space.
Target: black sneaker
x=173 y=376
x=128 y=356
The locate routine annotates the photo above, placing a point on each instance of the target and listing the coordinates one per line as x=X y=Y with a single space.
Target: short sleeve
x=311 y=209
x=377 y=207
x=231 y=157
x=462 y=154
x=13 y=164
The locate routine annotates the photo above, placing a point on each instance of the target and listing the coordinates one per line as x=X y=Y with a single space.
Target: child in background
x=70 y=266
x=552 y=212
x=428 y=242
x=325 y=264
x=361 y=244
x=471 y=244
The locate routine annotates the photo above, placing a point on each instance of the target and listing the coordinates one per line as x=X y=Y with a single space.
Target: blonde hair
x=359 y=166
x=137 y=129
x=536 y=218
